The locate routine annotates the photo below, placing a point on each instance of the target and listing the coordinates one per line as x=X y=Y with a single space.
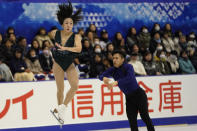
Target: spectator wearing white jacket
x=173 y=62
x=5 y=73
x=168 y=42
x=137 y=65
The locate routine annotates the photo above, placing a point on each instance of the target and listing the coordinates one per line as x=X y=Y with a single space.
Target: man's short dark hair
x=121 y=53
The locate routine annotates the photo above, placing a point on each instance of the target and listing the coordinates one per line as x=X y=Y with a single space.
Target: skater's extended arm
x=105 y=78
x=106 y=74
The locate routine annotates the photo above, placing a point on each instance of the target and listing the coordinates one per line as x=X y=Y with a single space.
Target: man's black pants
x=137 y=102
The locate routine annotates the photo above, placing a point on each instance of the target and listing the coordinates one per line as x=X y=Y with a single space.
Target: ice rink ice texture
x=192 y=127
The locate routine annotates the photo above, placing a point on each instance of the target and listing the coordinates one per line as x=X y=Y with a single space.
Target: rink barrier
x=26 y=105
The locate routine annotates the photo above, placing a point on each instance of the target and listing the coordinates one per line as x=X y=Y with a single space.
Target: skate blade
x=60 y=121
x=61 y=126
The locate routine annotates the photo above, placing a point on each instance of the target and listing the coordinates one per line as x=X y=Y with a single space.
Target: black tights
x=137 y=102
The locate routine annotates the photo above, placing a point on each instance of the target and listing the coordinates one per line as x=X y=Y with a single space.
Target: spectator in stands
x=168 y=43
x=46 y=43
x=1 y=50
x=154 y=42
x=131 y=39
x=45 y=59
x=109 y=57
x=1 y=45
x=2 y=79
x=168 y=29
x=12 y=38
x=193 y=57
x=42 y=36
x=90 y=36
x=97 y=49
x=144 y=38
x=176 y=38
x=22 y=44
x=156 y=29
x=159 y=47
x=106 y=63
x=173 y=61
x=162 y=62
x=109 y=47
x=87 y=52
x=97 y=41
x=127 y=57
x=51 y=33
x=96 y=66
x=10 y=30
x=151 y=67
x=177 y=35
x=93 y=29
x=183 y=43
x=1 y=39
x=191 y=40
x=7 y=51
x=33 y=63
x=35 y=46
x=118 y=41
x=185 y=64
x=19 y=68
x=81 y=32
x=104 y=39
x=137 y=65
x=5 y=73
x=135 y=49
x=84 y=59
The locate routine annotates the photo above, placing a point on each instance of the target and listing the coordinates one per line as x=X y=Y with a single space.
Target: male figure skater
x=136 y=98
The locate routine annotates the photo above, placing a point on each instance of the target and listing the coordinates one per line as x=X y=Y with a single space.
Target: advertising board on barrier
x=28 y=104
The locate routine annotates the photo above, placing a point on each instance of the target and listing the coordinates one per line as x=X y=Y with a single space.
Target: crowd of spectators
x=156 y=51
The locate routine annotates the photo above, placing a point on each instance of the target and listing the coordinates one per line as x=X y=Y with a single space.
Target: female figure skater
x=66 y=46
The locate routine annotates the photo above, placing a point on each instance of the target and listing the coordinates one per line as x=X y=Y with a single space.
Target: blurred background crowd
x=155 y=51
